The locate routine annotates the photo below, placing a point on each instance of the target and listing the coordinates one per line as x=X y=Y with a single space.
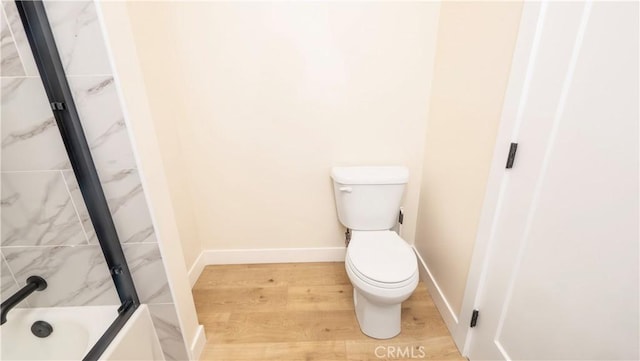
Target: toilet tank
x=368 y=198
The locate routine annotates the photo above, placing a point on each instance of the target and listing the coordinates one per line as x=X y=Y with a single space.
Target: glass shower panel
x=44 y=228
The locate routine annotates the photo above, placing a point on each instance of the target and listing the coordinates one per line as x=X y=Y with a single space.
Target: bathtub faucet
x=34 y=283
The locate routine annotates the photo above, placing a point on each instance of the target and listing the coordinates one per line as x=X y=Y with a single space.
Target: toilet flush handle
x=345 y=189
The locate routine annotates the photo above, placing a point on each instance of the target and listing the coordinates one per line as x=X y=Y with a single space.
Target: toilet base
x=381 y=321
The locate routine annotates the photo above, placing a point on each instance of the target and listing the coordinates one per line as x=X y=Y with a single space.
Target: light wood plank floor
x=304 y=311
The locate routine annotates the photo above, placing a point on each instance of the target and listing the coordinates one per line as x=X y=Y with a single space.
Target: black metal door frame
x=43 y=45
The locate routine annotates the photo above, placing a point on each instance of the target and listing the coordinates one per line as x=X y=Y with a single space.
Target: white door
x=561 y=278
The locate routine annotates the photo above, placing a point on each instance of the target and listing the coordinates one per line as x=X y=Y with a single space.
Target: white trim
x=445 y=309
x=196 y=269
x=264 y=255
x=198 y=343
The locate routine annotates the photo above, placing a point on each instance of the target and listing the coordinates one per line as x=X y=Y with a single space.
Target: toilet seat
x=381 y=259
x=377 y=284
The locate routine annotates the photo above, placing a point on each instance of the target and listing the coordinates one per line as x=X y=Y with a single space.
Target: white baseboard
x=196 y=269
x=264 y=255
x=197 y=345
x=445 y=309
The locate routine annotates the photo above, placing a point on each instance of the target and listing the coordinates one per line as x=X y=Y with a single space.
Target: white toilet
x=381 y=266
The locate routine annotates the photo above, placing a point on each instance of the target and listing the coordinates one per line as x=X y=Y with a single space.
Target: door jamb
x=514 y=101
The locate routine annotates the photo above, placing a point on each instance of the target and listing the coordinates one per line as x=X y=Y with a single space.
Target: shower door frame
x=45 y=52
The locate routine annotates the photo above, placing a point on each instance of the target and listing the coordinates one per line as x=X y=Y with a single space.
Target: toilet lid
x=382 y=256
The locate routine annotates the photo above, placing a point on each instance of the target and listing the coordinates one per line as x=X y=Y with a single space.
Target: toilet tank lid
x=370 y=175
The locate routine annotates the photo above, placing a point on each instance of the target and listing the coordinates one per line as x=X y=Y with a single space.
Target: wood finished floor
x=304 y=311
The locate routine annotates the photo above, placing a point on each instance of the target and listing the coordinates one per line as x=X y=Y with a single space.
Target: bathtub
x=75 y=332
x=137 y=340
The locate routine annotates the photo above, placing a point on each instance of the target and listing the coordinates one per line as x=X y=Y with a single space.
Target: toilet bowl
x=384 y=272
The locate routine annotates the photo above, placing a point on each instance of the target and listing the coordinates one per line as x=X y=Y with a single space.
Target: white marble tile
x=30 y=137
x=76 y=275
x=167 y=327
x=100 y=112
x=10 y=64
x=20 y=38
x=78 y=37
x=8 y=285
x=37 y=211
x=125 y=198
x=147 y=270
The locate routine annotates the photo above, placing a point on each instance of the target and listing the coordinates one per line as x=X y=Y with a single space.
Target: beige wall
x=473 y=59
x=276 y=94
x=156 y=48
x=252 y=113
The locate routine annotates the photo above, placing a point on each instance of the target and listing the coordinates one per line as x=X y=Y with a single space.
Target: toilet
x=381 y=266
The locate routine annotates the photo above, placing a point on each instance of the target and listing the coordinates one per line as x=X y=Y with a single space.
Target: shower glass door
x=52 y=225
x=74 y=214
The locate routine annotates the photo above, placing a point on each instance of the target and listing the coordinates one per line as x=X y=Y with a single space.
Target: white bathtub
x=75 y=331
x=137 y=340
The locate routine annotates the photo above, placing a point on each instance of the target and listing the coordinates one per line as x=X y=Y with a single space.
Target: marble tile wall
x=45 y=227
